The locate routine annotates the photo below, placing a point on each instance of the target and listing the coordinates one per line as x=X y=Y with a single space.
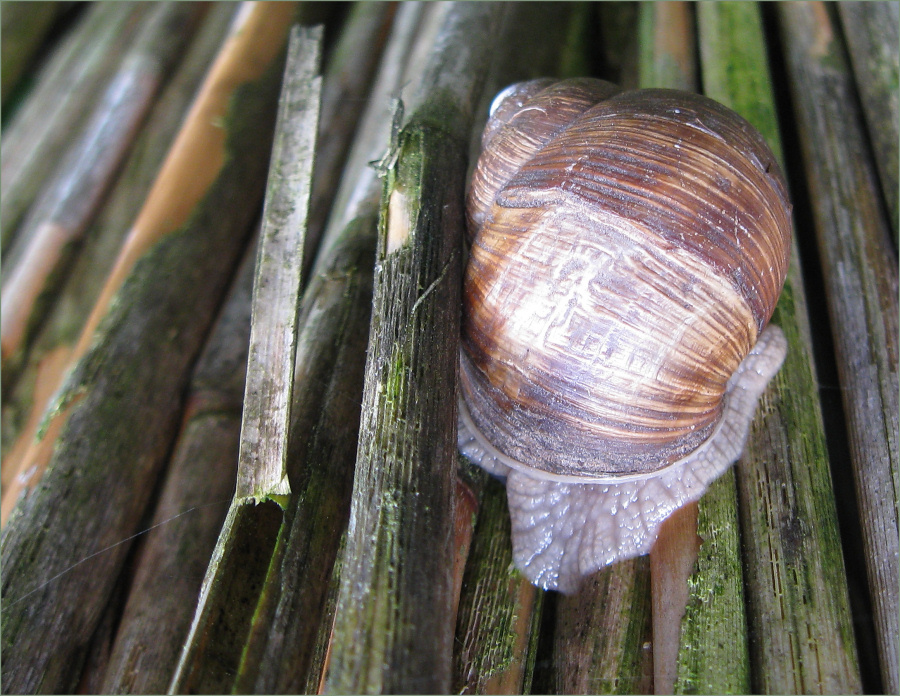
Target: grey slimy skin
x=564 y=530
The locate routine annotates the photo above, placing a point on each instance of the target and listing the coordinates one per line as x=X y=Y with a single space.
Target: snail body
x=627 y=252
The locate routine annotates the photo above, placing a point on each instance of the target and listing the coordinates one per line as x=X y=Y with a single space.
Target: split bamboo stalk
x=189 y=173
x=799 y=614
x=337 y=306
x=393 y=629
x=262 y=467
x=872 y=32
x=58 y=219
x=199 y=486
x=335 y=315
x=23 y=411
x=221 y=624
x=145 y=630
x=24 y=26
x=61 y=331
x=65 y=91
x=860 y=272
x=113 y=425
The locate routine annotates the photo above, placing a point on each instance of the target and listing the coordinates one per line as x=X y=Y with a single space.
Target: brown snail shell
x=627 y=252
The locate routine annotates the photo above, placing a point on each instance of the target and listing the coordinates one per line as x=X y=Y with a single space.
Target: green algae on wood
x=393 y=630
x=714 y=654
x=861 y=284
x=796 y=584
x=330 y=361
x=498 y=617
x=198 y=487
x=602 y=642
x=61 y=551
x=262 y=468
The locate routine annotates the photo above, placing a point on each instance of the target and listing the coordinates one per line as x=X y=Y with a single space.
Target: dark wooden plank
x=860 y=272
x=62 y=551
x=394 y=630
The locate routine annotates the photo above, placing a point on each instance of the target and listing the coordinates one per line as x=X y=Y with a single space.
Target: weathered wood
x=347 y=82
x=667 y=45
x=252 y=537
x=193 y=161
x=199 y=485
x=860 y=271
x=393 y=630
x=62 y=551
x=58 y=219
x=602 y=643
x=335 y=315
x=360 y=188
x=262 y=469
x=61 y=101
x=331 y=355
x=23 y=411
x=714 y=642
x=796 y=585
x=872 y=33
x=497 y=622
x=24 y=26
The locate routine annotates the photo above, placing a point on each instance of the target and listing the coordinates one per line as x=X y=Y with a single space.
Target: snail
x=627 y=249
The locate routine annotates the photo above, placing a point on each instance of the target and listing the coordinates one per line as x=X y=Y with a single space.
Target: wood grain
x=860 y=271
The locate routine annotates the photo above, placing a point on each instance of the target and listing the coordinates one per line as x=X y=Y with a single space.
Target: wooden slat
x=394 y=630
x=796 y=585
x=215 y=654
x=860 y=271
x=603 y=634
x=497 y=621
x=58 y=219
x=872 y=32
x=62 y=551
x=335 y=316
x=58 y=105
x=199 y=486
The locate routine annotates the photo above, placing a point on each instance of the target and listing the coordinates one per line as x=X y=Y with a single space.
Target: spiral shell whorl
x=624 y=261
x=524 y=117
